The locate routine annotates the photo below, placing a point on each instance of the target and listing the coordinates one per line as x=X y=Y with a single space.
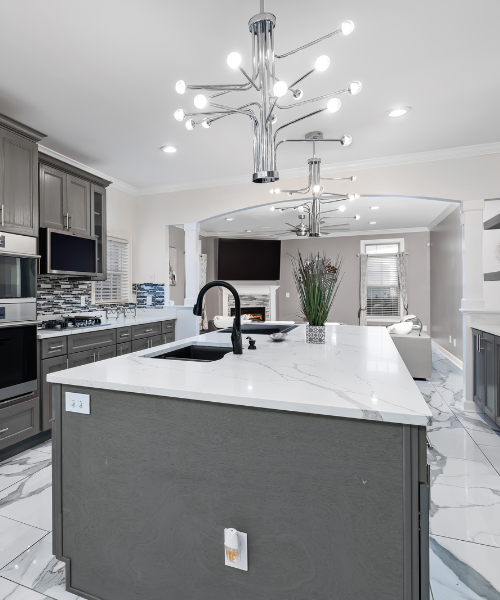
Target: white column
x=473 y=278
x=192 y=260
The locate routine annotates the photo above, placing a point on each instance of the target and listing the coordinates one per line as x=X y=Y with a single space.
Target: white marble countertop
x=111 y=324
x=357 y=374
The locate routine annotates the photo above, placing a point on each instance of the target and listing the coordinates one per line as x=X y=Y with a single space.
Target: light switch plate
x=243 y=562
x=79 y=403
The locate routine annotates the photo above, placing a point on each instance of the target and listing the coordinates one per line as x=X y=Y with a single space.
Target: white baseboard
x=449 y=355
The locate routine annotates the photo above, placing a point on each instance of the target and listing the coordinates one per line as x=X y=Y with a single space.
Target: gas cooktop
x=71 y=322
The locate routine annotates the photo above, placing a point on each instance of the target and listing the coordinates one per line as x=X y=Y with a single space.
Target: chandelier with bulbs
x=263 y=79
x=319 y=204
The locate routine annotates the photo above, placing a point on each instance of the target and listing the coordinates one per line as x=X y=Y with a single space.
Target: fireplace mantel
x=251 y=290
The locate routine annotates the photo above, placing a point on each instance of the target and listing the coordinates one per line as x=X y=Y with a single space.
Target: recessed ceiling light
x=169 y=149
x=248 y=231
x=398 y=112
x=374 y=207
x=229 y=218
x=373 y=223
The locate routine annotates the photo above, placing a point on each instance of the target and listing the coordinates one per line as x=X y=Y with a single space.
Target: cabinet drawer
x=88 y=341
x=54 y=346
x=19 y=421
x=145 y=343
x=125 y=348
x=123 y=334
x=89 y=356
x=167 y=326
x=146 y=330
x=167 y=338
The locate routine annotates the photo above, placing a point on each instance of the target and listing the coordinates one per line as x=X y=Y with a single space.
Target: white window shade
x=116 y=287
x=383 y=296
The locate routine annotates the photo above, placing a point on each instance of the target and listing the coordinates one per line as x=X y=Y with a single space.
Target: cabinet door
x=479 y=384
x=18 y=184
x=53 y=207
x=98 y=228
x=49 y=365
x=140 y=344
x=19 y=421
x=105 y=353
x=489 y=348
x=157 y=340
x=167 y=338
x=124 y=348
x=81 y=358
x=78 y=201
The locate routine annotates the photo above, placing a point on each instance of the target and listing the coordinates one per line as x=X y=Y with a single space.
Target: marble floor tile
x=465 y=500
x=9 y=590
x=485 y=438
x=493 y=455
x=463 y=571
x=476 y=421
x=40 y=571
x=21 y=466
x=45 y=447
x=440 y=410
x=15 y=538
x=30 y=500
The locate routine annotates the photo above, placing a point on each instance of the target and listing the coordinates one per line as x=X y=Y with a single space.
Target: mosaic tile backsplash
x=155 y=290
x=61 y=295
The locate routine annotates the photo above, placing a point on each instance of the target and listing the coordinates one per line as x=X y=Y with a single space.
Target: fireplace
x=258 y=313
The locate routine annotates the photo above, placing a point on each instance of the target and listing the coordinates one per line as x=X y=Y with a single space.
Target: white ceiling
x=98 y=77
x=394 y=213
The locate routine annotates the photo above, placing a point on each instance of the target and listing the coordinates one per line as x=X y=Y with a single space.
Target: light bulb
x=372 y=223
x=347 y=27
x=297 y=94
x=206 y=124
x=274 y=119
x=200 y=101
x=355 y=87
x=280 y=89
x=316 y=188
x=322 y=63
x=353 y=197
x=342 y=208
x=277 y=190
x=180 y=87
x=333 y=105
x=357 y=217
x=271 y=191
x=346 y=140
x=190 y=124
x=169 y=149
x=300 y=209
x=398 y=112
x=272 y=208
x=353 y=178
x=179 y=114
x=234 y=60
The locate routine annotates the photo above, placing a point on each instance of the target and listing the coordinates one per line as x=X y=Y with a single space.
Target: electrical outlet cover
x=243 y=562
x=79 y=403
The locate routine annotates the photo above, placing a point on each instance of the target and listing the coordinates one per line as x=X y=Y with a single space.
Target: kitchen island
x=317 y=452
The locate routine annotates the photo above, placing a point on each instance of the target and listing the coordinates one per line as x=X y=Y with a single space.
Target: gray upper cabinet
x=98 y=227
x=78 y=205
x=18 y=177
x=53 y=206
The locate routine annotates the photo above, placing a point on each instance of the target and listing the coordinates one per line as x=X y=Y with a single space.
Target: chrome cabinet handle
x=147 y=330
x=66 y=225
x=70 y=218
x=2 y=430
x=67 y=363
x=55 y=347
x=2 y=216
x=98 y=356
x=94 y=356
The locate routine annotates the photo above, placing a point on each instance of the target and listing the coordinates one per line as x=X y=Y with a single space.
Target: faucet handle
x=252 y=343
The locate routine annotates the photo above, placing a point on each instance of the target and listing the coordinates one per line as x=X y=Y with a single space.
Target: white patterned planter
x=315 y=334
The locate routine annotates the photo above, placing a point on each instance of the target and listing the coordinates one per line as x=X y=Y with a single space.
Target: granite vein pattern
x=357 y=374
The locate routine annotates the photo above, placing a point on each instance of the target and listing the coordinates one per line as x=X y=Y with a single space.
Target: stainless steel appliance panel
x=17 y=310
x=18 y=362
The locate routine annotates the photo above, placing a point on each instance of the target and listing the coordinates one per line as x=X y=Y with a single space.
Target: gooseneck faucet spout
x=236 y=333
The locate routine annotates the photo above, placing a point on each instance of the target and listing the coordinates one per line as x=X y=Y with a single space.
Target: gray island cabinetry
x=486 y=381
x=318 y=454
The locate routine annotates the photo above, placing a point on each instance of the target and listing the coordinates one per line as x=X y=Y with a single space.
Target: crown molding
x=115 y=183
x=356 y=165
x=266 y=234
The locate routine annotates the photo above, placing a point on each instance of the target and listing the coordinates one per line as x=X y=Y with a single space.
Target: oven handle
x=18 y=254
x=2 y=430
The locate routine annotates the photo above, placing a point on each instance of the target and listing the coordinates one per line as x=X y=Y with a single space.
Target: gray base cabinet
x=19 y=420
x=486 y=383
x=68 y=351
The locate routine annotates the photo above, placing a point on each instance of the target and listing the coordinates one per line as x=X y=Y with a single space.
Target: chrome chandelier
x=319 y=204
x=263 y=79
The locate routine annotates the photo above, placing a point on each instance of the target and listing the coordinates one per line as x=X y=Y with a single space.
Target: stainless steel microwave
x=65 y=253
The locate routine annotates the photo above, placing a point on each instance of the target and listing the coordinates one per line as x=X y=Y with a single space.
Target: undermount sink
x=257 y=329
x=196 y=353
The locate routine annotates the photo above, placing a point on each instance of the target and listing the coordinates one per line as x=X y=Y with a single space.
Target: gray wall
x=176 y=240
x=209 y=247
x=446 y=283
x=346 y=306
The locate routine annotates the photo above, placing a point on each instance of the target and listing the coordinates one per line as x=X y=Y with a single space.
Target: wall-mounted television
x=250 y=260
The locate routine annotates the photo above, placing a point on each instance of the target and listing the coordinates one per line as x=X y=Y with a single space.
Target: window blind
x=116 y=286
x=383 y=297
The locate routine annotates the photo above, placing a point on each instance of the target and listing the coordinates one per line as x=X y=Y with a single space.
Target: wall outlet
x=78 y=403
x=450 y=339
x=424 y=327
x=83 y=300
x=152 y=278
x=287 y=294
x=242 y=562
x=454 y=342
x=149 y=299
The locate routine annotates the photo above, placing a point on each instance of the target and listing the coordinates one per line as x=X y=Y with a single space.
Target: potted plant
x=317 y=282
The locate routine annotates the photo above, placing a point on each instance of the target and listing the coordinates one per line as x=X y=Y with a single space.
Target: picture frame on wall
x=172 y=266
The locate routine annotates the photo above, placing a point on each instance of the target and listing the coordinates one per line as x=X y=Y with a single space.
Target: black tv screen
x=72 y=254
x=250 y=260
